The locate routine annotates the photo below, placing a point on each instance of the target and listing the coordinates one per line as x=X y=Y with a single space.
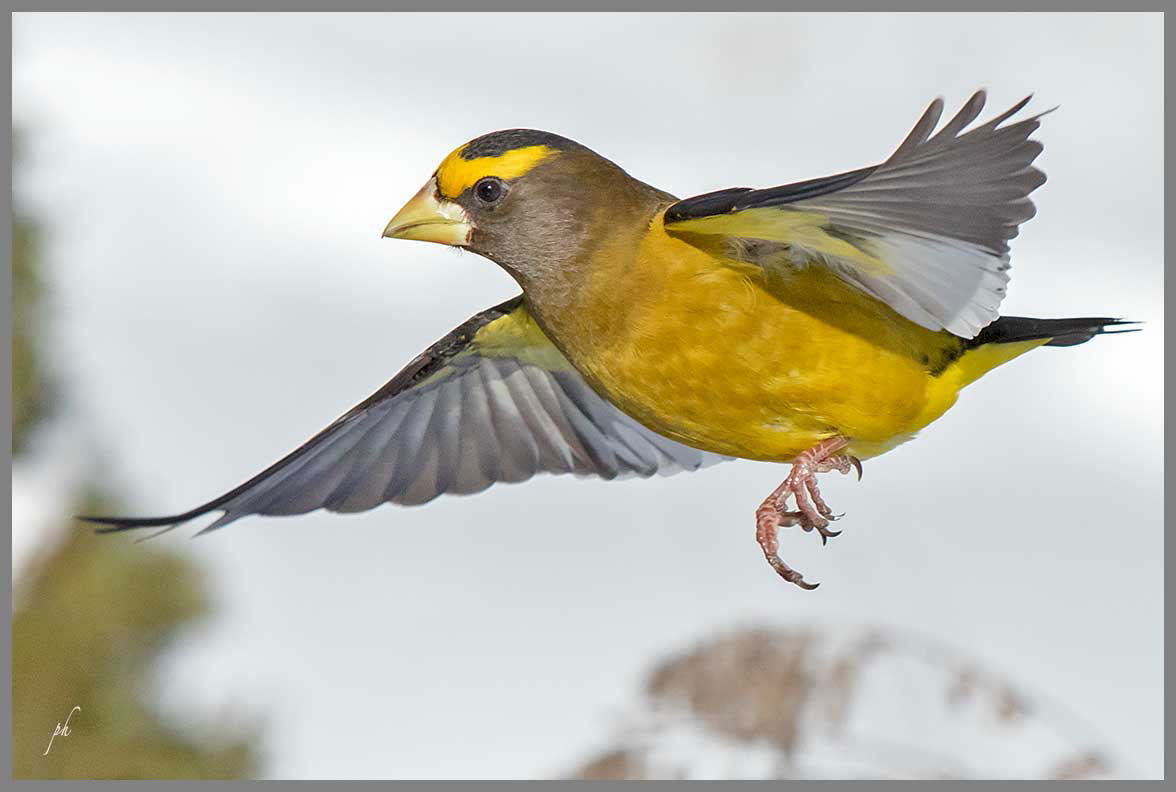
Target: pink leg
x=812 y=512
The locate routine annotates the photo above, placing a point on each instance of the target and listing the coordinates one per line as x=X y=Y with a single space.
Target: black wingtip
x=118 y=524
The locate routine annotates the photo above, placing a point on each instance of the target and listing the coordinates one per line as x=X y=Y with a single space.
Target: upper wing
x=494 y=400
x=926 y=231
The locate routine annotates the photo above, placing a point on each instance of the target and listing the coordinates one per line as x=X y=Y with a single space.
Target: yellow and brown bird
x=817 y=323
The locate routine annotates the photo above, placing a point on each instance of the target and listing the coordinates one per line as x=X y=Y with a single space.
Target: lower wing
x=494 y=400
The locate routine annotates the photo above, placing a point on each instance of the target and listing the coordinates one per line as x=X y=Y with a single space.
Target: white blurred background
x=213 y=188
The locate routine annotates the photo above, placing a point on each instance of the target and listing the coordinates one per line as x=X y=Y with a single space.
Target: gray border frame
x=521 y=5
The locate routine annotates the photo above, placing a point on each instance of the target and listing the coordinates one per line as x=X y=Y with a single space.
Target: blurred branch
x=30 y=389
x=93 y=616
x=802 y=703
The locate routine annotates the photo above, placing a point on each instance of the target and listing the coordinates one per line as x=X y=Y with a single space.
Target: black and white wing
x=925 y=232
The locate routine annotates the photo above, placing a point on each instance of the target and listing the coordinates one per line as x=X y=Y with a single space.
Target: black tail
x=1061 y=332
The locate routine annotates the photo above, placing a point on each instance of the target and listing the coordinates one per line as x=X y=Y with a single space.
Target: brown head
x=535 y=203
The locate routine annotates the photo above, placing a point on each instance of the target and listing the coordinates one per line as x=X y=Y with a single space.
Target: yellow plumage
x=728 y=358
x=817 y=323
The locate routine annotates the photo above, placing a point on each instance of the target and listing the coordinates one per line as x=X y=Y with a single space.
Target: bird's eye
x=489 y=190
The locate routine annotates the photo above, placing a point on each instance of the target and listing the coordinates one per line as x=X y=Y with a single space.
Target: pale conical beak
x=430 y=220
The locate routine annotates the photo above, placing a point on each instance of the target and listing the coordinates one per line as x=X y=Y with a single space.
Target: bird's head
x=529 y=200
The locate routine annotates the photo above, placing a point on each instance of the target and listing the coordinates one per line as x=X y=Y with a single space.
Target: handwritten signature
x=62 y=729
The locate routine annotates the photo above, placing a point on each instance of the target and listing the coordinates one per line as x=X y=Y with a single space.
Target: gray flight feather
x=939 y=214
x=456 y=420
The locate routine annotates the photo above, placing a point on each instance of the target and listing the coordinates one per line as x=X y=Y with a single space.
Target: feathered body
x=744 y=362
x=820 y=322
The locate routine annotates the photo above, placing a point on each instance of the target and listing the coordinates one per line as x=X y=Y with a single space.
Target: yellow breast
x=717 y=355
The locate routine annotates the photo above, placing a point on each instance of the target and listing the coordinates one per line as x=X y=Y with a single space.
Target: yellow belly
x=719 y=357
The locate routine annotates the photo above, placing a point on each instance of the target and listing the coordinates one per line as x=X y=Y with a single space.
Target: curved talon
x=827 y=535
x=812 y=513
x=791 y=575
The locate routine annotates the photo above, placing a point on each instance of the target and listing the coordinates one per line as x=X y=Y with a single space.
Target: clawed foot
x=812 y=513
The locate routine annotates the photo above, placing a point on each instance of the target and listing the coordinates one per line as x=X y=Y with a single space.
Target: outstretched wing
x=926 y=231
x=494 y=400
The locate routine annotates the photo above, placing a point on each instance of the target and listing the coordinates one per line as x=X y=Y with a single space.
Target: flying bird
x=818 y=323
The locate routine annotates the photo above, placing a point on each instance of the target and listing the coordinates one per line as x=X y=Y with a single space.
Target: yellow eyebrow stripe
x=457 y=174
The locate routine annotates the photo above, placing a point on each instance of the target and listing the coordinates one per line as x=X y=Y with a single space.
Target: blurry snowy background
x=211 y=191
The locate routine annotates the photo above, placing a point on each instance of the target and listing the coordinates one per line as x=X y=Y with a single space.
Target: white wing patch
x=926 y=231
